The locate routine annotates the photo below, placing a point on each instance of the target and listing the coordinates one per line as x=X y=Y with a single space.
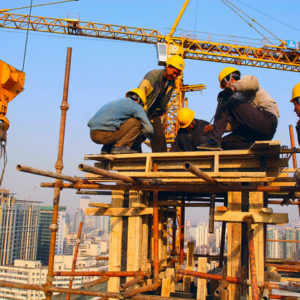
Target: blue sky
x=103 y=70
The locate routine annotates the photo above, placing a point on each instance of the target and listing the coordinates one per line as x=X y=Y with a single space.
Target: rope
x=27 y=33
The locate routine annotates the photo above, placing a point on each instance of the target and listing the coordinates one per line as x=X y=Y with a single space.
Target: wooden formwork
x=239 y=179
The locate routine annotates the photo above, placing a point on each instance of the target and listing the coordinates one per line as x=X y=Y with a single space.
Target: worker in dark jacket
x=119 y=123
x=250 y=110
x=158 y=86
x=192 y=132
x=296 y=101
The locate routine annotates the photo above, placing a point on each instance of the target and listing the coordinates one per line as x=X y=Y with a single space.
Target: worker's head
x=137 y=95
x=228 y=76
x=175 y=66
x=296 y=99
x=185 y=117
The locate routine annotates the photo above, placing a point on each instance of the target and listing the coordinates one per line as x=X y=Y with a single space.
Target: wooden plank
x=118 y=211
x=166 y=287
x=170 y=273
x=97 y=204
x=201 y=283
x=187 y=280
x=259 y=217
x=234 y=236
x=115 y=243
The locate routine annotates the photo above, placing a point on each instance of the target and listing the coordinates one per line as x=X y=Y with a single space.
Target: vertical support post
x=222 y=244
x=59 y=166
x=201 y=283
x=174 y=227
x=187 y=280
x=75 y=257
x=234 y=245
x=155 y=230
x=182 y=217
x=212 y=213
x=166 y=287
x=115 y=243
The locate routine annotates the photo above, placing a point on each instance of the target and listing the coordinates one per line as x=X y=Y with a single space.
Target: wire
x=277 y=20
x=26 y=41
x=4 y=155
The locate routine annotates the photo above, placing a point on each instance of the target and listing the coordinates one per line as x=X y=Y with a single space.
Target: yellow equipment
x=139 y=92
x=296 y=92
x=185 y=117
x=176 y=61
x=225 y=72
x=11 y=84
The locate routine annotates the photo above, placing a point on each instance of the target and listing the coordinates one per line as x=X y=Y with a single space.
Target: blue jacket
x=113 y=114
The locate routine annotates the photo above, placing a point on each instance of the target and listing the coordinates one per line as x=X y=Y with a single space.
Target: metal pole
x=291 y=130
x=59 y=166
x=143 y=289
x=155 y=230
x=196 y=171
x=182 y=218
x=75 y=257
x=222 y=244
x=102 y=273
x=212 y=213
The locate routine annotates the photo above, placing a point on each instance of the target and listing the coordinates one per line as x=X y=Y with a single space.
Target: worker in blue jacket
x=119 y=123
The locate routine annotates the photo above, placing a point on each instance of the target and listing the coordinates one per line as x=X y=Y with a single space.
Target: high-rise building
x=43 y=242
x=79 y=217
x=201 y=235
x=272 y=250
x=18 y=228
x=290 y=248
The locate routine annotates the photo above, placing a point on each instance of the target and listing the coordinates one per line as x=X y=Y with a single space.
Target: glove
x=225 y=95
x=208 y=128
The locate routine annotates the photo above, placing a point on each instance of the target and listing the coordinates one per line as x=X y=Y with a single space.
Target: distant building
x=32 y=272
x=272 y=248
x=201 y=235
x=290 y=248
x=18 y=228
x=43 y=242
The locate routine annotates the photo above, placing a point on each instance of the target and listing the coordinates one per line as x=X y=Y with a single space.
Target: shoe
x=106 y=149
x=122 y=150
x=210 y=145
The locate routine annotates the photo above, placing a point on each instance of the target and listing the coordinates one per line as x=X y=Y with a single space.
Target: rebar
x=143 y=289
x=198 y=172
x=101 y=273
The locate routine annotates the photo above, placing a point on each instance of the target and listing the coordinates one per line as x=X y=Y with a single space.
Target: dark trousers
x=158 y=140
x=254 y=125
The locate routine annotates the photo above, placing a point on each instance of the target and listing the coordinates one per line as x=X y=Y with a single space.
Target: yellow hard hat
x=176 y=61
x=225 y=72
x=185 y=117
x=296 y=91
x=139 y=92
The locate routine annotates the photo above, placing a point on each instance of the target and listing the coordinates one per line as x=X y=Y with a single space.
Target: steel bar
x=75 y=257
x=209 y=276
x=196 y=171
x=45 y=288
x=293 y=145
x=95 y=282
x=182 y=218
x=151 y=297
x=103 y=193
x=280 y=202
x=285 y=267
x=212 y=213
x=132 y=282
x=58 y=166
x=107 y=174
x=195 y=189
x=59 y=176
x=222 y=244
x=102 y=258
x=283 y=287
x=143 y=289
x=174 y=234
x=284 y=297
x=254 y=286
x=284 y=241
x=102 y=273
x=155 y=230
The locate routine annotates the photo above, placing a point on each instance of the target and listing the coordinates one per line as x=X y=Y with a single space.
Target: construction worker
x=247 y=107
x=158 y=86
x=296 y=101
x=119 y=123
x=192 y=132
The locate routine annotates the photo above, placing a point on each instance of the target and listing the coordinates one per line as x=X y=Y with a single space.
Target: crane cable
x=4 y=155
x=43 y=4
x=253 y=20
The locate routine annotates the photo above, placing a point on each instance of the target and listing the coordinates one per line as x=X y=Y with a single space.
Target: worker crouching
x=118 y=124
x=250 y=110
x=192 y=133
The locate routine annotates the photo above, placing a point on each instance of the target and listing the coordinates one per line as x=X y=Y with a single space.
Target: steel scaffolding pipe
x=283 y=287
x=143 y=289
x=209 y=276
x=150 y=297
x=102 y=273
x=196 y=171
x=31 y=170
x=155 y=231
x=107 y=174
x=131 y=283
x=45 y=288
x=285 y=267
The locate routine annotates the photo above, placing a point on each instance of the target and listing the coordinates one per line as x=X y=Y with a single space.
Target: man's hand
x=207 y=128
x=225 y=95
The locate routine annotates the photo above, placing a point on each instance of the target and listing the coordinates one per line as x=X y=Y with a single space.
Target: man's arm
x=140 y=114
x=245 y=84
x=298 y=131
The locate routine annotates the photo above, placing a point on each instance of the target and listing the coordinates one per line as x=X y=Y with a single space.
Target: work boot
x=122 y=150
x=106 y=148
x=210 y=145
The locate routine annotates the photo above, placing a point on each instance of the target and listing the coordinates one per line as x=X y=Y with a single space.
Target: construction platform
x=150 y=191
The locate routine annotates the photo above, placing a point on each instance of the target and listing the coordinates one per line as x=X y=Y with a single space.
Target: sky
x=103 y=70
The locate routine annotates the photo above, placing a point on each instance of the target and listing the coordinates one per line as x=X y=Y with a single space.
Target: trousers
x=253 y=125
x=124 y=136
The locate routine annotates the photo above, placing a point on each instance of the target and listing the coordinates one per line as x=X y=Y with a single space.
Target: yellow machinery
x=11 y=84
